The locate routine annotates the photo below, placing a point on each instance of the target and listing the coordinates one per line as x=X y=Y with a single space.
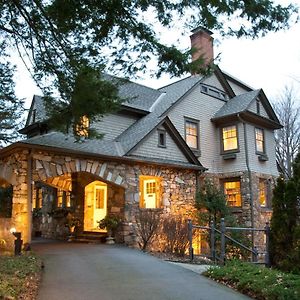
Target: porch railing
x=223 y=237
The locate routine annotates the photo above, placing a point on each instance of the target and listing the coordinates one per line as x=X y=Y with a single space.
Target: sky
x=270 y=63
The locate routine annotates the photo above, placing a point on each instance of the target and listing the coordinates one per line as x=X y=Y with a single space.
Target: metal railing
x=223 y=236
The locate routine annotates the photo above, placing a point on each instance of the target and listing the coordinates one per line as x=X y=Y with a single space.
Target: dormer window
x=82 y=128
x=214 y=92
x=161 y=138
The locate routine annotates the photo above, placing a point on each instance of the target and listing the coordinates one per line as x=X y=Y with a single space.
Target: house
x=156 y=151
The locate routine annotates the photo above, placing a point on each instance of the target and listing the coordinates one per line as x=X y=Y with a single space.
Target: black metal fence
x=213 y=231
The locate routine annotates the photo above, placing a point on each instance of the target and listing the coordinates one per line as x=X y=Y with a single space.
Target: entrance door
x=95 y=205
x=100 y=203
x=150 y=193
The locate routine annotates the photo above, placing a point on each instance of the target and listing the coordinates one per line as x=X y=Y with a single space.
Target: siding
x=149 y=148
x=236 y=88
x=113 y=125
x=202 y=107
x=213 y=81
x=266 y=167
x=252 y=108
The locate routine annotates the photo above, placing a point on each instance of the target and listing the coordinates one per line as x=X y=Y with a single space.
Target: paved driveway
x=106 y=272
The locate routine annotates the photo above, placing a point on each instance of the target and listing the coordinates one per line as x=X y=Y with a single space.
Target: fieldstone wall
x=261 y=215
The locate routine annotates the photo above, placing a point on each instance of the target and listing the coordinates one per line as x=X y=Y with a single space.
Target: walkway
x=106 y=272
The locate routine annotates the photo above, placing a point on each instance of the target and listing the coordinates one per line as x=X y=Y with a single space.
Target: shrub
x=175 y=235
x=147 y=224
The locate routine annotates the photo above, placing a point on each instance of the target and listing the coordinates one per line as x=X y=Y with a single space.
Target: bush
x=257 y=281
x=175 y=235
x=147 y=225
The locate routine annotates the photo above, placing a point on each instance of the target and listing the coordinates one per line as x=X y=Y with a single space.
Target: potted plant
x=72 y=223
x=110 y=223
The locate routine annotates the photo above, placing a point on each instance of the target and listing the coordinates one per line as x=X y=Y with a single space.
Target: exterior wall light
x=18 y=241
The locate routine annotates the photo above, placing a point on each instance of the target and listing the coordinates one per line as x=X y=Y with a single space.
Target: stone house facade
x=156 y=151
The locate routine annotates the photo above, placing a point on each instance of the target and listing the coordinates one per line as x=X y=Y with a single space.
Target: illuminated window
x=191 y=133
x=259 y=139
x=150 y=192
x=99 y=195
x=63 y=198
x=232 y=190
x=82 y=129
x=38 y=203
x=229 y=138
x=263 y=192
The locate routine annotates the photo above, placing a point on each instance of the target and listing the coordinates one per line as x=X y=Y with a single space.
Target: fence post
x=212 y=241
x=190 y=237
x=223 y=229
x=267 y=255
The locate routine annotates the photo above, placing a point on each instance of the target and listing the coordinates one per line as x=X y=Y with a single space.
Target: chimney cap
x=201 y=28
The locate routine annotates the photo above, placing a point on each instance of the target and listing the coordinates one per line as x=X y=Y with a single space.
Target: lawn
x=257 y=281
x=19 y=276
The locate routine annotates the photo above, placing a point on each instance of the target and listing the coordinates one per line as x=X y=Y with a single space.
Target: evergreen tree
x=285 y=222
x=60 y=40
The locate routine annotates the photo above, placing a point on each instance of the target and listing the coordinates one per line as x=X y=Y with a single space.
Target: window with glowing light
x=192 y=133
x=82 y=128
x=232 y=190
x=63 y=199
x=263 y=192
x=150 y=195
x=260 y=140
x=229 y=138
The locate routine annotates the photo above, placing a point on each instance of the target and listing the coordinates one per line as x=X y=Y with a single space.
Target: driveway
x=109 y=272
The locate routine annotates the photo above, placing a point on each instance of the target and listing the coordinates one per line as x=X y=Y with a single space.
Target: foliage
x=11 y=108
x=257 y=281
x=6 y=195
x=110 y=222
x=72 y=221
x=17 y=275
x=288 y=137
x=66 y=44
x=212 y=206
x=211 y=203
x=147 y=225
x=175 y=235
x=285 y=222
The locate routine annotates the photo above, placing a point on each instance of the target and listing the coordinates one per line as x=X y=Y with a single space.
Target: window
x=191 y=133
x=259 y=140
x=257 y=106
x=161 y=138
x=229 y=138
x=232 y=190
x=82 y=129
x=6 y=196
x=209 y=90
x=150 y=196
x=263 y=192
x=63 y=198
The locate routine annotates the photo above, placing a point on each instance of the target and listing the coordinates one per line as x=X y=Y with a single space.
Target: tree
x=287 y=138
x=67 y=43
x=11 y=108
x=285 y=222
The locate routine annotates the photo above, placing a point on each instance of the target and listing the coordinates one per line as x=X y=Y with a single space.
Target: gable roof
x=239 y=105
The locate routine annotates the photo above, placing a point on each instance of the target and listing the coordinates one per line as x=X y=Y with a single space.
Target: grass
x=257 y=281
x=19 y=276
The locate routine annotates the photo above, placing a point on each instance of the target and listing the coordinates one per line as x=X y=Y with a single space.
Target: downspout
x=29 y=196
x=250 y=179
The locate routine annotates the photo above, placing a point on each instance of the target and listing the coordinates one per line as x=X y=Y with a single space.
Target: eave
x=247 y=116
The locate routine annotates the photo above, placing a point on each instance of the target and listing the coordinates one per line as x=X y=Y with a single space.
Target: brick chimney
x=202 y=45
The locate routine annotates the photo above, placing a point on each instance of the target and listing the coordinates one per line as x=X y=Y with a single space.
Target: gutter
x=250 y=179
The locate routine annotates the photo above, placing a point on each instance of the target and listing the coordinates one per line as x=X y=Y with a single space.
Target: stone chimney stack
x=202 y=45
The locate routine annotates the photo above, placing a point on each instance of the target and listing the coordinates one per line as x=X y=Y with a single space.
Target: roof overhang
x=19 y=146
x=247 y=116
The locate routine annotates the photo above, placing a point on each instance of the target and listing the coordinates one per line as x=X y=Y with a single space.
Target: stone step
x=91 y=237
